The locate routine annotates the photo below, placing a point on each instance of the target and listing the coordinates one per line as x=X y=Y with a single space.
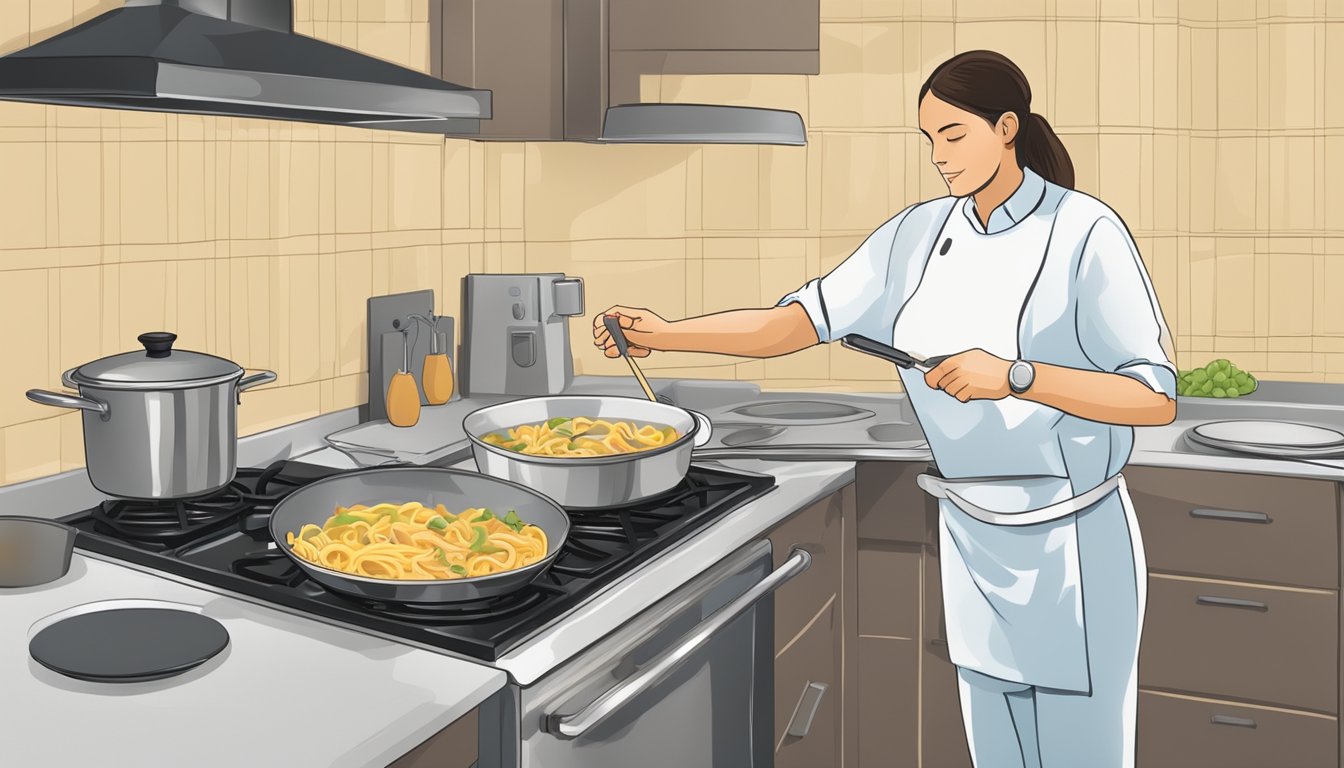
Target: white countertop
x=286 y=691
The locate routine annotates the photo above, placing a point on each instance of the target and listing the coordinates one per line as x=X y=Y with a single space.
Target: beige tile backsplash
x=1210 y=126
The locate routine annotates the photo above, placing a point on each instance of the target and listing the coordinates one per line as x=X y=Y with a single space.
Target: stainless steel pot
x=158 y=424
x=34 y=551
x=588 y=481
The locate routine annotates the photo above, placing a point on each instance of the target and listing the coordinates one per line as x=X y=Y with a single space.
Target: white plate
x=1273 y=434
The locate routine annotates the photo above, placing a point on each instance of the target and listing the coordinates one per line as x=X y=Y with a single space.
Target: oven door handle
x=658 y=669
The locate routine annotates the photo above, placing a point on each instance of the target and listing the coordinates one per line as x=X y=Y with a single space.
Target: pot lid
x=158 y=366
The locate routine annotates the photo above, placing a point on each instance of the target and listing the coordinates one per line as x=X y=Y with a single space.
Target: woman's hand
x=642 y=330
x=971 y=375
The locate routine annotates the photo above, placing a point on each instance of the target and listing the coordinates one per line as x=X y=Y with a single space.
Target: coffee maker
x=515 y=333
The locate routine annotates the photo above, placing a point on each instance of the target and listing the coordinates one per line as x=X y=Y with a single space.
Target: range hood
x=701 y=124
x=237 y=58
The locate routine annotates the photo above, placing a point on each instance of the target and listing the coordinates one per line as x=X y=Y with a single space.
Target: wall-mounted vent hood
x=701 y=124
x=238 y=58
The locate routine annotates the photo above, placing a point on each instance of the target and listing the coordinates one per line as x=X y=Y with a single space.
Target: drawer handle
x=1231 y=602
x=1240 y=722
x=1228 y=514
x=801 y=722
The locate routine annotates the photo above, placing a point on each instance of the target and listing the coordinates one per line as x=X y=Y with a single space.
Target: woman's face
x=967 y=149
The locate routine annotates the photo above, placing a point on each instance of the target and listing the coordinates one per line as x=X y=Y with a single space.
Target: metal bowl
x=579 y=482
x=455 y=489
x=34 y=551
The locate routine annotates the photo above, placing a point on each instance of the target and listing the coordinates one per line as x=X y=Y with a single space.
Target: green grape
x=1246 y=388
x=1219 y=392
x=1206 y=387
x=1219 y=377
x=1199 y=376
x=1231 y=392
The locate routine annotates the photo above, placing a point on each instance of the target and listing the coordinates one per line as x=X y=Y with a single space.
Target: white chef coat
x=1013 y=596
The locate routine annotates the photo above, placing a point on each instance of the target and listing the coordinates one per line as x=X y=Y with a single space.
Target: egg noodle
x=580 y=436
x=413 y=541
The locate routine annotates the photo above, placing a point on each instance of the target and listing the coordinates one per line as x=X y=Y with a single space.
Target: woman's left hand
x=971 y=375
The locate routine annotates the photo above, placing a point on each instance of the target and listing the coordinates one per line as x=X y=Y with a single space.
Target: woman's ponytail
x=1039 y=149
x=990 y=85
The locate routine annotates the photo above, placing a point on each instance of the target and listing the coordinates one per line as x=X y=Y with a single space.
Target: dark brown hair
x=989 y=84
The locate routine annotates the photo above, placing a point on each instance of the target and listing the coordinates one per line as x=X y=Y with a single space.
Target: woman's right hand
x=642 y=330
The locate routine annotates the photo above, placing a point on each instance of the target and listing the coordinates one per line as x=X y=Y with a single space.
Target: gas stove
x=223 y=540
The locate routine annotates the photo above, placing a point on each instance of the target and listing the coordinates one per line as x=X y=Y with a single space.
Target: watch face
x=1019 y=375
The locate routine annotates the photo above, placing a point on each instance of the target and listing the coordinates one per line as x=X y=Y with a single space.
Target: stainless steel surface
x=1233 y=515
x=456 y=490
x=701 y=124
x=33 y=551
x=801 y=721
x=165 y=423
x=231 y=57
x=588 y=481
x=752 y=435
x=1231 y=602
x=1242 y=722
x=61 y=400
x=715 y=708
x=515 y=333
x=802 y=411
x=1271 y=439
x=658 y=669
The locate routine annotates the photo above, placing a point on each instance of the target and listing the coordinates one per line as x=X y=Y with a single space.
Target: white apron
x=1011 y=577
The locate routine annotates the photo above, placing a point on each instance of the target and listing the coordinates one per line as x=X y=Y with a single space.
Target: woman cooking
x=1056 y=348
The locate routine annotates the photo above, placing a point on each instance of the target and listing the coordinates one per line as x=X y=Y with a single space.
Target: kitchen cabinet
x=1240 y=659
x=909 y=712
x=456 y=746
x=809 y=636
x=554 y=66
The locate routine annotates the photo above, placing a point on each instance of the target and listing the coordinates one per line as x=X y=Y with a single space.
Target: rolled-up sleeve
x=849 y=299
x=1119 y=321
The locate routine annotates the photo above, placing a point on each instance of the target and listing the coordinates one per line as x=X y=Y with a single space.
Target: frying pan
x=886 y=352
x=455 y=489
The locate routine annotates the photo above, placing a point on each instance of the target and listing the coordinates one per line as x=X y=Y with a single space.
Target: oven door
x=687 y=683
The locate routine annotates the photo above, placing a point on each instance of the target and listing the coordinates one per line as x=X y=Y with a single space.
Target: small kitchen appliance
x=515 y=333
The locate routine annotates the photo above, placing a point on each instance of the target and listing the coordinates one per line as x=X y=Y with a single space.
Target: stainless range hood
x=238 y=58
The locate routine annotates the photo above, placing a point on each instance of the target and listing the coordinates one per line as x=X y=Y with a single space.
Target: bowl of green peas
x=1220 y=378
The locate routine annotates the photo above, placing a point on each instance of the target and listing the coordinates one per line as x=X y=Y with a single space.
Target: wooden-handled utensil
x=613 y=324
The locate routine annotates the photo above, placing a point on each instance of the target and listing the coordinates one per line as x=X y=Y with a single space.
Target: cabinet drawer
x=813 y=658
x=1249 y=527
x=818 y=529
x=1207 y=734
x=1267 y=645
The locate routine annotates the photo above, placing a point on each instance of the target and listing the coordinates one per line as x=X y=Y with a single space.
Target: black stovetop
x=224 y=541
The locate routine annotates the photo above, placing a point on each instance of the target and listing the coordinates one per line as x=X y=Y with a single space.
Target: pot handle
x=255 y=380
x=706 y=428
x=59 y=400
x=68 y=379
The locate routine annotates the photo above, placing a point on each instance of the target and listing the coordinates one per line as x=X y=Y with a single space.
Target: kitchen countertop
x=285 y=660
x=317 y=695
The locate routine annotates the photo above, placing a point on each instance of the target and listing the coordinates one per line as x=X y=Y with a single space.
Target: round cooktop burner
x=128 y=645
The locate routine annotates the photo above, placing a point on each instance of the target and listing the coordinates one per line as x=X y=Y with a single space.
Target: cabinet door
x=454 y=747
x=942 y=736
x=888 y=708
x=714 y=25
x=818 y=529
x=812 y=660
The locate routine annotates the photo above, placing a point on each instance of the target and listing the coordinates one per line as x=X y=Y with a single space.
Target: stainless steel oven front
x=689 y=683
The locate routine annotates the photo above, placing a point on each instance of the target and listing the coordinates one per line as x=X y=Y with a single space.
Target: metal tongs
x=891 y=354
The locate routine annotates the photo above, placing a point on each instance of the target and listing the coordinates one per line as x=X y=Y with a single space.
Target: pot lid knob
x=157 y=343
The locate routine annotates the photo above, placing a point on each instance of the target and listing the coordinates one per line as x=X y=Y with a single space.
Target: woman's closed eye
x=951 y=139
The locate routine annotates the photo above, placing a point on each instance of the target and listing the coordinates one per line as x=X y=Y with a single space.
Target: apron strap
x=943 y=489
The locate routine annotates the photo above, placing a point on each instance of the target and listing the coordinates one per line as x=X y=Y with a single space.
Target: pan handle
x=255 y=380
x=59 y=400
x=704 y=430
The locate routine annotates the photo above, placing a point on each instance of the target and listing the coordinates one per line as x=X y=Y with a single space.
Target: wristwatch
x=1021 y=374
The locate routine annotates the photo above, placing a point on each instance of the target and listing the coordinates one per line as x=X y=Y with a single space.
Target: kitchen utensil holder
x=387 y=314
